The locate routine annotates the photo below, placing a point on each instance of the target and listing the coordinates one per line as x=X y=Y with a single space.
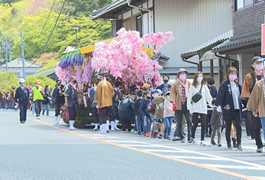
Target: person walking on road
x=114 y=118
x=253 y=124
x=257 y=104
x=169 y=110
x=229 y=102
x=4 y=99
x=213 y=91
x=58 y=97
x=196 y=104
x=103 y=96
x=178 y=95
x=37 y=94
x=46 y=100
x=71 y=101
x=22 y=98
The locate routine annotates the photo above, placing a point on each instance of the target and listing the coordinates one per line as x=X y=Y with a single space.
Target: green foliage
x=8 y=79
x=43 y=81
x=9 y=1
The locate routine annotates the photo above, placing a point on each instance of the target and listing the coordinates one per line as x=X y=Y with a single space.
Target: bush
x=8 y=79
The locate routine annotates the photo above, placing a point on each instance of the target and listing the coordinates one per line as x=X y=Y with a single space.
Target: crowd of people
x=154 y=108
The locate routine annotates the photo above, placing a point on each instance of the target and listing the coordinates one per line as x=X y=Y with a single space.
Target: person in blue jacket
x=229 y=102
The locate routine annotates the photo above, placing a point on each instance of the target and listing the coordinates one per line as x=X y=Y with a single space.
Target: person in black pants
x=126 y=111
x=58 y=98
x=213 y=91
x=22 y=97
x=114 y=111
x=229 y=103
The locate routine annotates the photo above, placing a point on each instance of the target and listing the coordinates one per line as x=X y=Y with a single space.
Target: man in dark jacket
x=165 y=87
x=22 y=97
x=58 y=97
x=126 y=111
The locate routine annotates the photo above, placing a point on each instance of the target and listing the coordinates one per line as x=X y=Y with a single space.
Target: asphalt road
x=40 y=150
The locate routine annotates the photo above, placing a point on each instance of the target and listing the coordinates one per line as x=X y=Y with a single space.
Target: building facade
x=248 y=16
x=193 y=22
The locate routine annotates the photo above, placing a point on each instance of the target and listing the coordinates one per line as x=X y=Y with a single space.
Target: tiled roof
x=96 y=14
x=236 y=42
x=17 y=63
x=201 y=49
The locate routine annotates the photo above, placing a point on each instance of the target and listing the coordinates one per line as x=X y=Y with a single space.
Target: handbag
x=197 y=96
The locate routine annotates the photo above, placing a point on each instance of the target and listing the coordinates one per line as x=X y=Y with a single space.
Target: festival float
x=124 y=58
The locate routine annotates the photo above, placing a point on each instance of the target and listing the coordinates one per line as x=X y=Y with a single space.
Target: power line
x=50 y=34
x=42 y=28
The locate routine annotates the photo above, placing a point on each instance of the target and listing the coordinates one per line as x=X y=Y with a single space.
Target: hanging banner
x=263 y=39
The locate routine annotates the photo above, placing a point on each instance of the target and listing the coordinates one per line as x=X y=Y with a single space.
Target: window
x=139 y=24
x=244 y=3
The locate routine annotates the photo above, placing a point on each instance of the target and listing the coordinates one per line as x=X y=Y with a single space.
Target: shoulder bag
x=197 y=96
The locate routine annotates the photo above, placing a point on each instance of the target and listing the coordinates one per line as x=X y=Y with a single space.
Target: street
x=40 y=150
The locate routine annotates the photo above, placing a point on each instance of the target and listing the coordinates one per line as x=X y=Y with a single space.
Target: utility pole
x=6 y=53
x=22 y=51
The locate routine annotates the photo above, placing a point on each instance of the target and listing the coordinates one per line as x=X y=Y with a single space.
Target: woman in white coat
x=198 y=109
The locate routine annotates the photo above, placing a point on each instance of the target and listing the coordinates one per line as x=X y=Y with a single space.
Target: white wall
x=193 y=22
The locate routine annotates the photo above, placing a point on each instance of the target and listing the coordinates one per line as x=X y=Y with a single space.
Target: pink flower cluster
x=126 y=59
x=78 y=74
x=158 y=39
x=87 y=72
x=60 y=72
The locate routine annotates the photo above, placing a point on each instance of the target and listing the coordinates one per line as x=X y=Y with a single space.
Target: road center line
x=146 y=152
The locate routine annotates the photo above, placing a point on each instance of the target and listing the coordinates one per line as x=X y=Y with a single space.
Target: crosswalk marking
x=159 y=150
x=199 y=157
x=234 y=167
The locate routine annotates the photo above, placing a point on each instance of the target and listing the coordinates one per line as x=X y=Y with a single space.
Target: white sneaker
x=203 y=143
x=249 y=138
x=194 y=141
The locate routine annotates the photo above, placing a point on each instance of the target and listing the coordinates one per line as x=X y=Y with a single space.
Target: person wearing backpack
x=126 y=112
x=253 y=124
x=196 y=104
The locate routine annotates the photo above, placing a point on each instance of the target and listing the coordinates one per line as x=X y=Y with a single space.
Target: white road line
x=196 y=157
x=158 y=150
x=234 y=167
x=121 y=141
x=141 y=145
x=260 y=178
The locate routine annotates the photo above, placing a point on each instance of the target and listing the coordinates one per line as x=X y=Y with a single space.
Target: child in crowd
x=126 y=111
x=216 y=125
x=139 y=120
x=158 y=103
x=168 y=116
x=143 y=109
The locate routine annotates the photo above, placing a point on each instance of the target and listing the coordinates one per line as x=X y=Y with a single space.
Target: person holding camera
x=22 y=97
x=196 y=104
x=37 y=96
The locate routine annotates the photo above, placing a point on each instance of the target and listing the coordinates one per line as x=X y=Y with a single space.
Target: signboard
x=263 y=39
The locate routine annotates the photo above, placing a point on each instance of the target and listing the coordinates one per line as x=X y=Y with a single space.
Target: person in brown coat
x=253 y=124
x=257 y=104
x=179 y=93
x=103 y=96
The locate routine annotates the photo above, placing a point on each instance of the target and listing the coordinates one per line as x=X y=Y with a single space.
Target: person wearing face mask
x=37 y=94
x=198 y=109
x=179 y=94
x=253 y=124
x=22 y=97
x=165 y=87
x=46 y=101
x=229 y=102
x=104 y=94
x=71 y=101
x=257 y=104
x=3 y=98
x=169 y=111
x=145 y=113
x=58 y=97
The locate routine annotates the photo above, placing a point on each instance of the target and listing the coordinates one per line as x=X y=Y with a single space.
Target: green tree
x=43 y=81
x=8 y=79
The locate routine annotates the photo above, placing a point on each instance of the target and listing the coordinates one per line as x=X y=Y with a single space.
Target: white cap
x=21 y=80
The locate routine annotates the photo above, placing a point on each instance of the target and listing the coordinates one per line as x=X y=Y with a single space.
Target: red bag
x=174 y=107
